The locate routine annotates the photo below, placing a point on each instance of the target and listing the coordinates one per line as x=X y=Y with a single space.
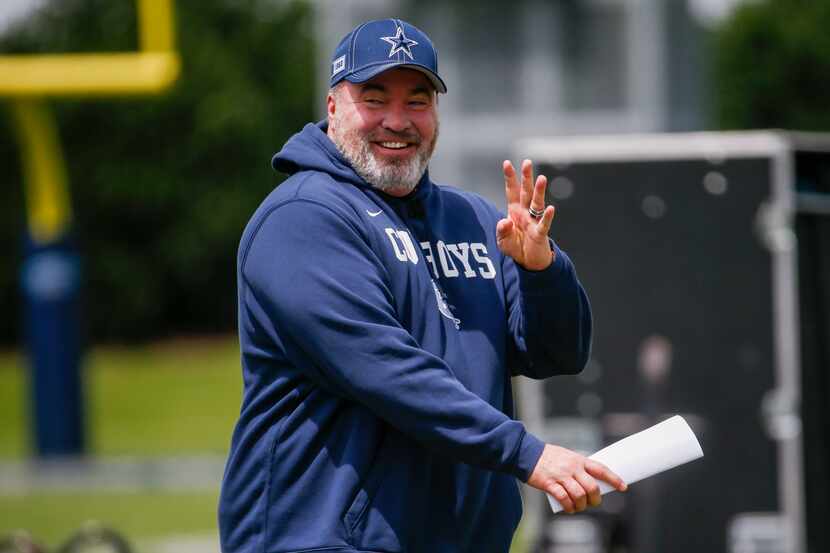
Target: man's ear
x=330 y=105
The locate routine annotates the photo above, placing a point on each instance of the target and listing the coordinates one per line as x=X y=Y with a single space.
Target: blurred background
x=119 y=369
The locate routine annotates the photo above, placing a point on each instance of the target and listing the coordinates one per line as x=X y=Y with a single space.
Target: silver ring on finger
x=536 y=214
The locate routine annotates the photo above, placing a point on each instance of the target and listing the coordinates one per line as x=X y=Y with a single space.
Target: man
x=381 y=318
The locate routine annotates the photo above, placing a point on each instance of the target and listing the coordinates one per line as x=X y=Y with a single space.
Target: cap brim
x=368 y=73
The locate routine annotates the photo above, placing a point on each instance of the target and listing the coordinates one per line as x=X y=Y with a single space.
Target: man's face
x=386 y=127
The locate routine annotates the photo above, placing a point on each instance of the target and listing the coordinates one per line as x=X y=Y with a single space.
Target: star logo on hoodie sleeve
x=400 y=43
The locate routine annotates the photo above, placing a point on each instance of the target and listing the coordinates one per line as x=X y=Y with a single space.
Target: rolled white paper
x=656 y=449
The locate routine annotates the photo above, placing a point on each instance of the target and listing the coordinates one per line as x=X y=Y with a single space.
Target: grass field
x=168 y=399
x=141 y=517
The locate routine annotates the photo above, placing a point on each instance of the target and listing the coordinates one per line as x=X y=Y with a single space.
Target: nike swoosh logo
x=371 y=214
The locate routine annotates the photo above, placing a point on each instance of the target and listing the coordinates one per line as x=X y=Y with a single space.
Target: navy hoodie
x=378 y=338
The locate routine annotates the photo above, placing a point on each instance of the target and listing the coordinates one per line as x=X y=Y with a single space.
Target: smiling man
x=381 y=317
x=386 y=128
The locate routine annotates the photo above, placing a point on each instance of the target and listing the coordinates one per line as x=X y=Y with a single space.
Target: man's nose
x=396 y=119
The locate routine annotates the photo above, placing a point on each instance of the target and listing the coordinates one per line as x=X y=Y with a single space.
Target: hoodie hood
x=312 y=150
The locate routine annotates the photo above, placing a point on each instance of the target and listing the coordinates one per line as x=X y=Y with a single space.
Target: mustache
x=395 y=136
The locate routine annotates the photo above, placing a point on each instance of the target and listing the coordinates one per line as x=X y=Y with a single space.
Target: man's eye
x=374 y=101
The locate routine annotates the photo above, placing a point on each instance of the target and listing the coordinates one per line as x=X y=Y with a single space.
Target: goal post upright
x=50 y=273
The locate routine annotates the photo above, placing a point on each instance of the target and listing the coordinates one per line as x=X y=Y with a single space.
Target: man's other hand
x=520 y=235
x=571 y=478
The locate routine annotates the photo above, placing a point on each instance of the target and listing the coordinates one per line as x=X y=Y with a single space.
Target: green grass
x=173 y=398
x=13 y=420
x=52 y=518
x=177 y=397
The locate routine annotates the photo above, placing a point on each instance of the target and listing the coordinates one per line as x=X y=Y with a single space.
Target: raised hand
x=521 y=235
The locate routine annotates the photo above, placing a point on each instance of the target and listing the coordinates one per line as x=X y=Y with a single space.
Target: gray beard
x=392 y=177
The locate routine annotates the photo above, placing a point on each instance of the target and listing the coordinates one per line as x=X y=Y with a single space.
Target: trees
x=772 y=66
x=162 y=187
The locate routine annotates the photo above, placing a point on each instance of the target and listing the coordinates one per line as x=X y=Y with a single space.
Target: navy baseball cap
x=376 y=46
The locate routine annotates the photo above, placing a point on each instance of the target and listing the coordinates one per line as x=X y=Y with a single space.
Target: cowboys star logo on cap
x=362 y=55
x=400 y=43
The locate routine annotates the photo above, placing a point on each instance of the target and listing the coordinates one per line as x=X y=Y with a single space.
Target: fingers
x=591 y=488
x=527 y=184
x=572 y=479
x=511 y=185
x=601 y=472
x=576 y=493
x=503 y=229
x=543 y=226
x=537 y=201
x=527 y=194
x=559 y=493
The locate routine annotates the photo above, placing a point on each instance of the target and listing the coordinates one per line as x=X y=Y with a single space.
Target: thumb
x=504 y=228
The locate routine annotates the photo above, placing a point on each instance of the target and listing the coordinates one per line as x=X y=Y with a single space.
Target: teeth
x=395 y=145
